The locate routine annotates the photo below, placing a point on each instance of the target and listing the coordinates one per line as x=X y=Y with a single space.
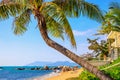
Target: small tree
x=99 y=48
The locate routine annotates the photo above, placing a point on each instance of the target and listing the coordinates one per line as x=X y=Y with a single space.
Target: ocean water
x=12 y=73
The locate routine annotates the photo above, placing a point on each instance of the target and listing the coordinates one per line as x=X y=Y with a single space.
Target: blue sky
x=30 y=47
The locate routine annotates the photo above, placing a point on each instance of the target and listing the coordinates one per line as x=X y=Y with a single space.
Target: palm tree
x=112 y=19
x=111 y=23
x=51 y=19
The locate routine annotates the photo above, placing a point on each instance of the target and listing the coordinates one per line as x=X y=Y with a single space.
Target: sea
x=21 y=72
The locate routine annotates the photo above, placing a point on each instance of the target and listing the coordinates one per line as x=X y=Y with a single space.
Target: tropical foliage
x=100 y=48
x=112 y=19
x=94 y=45
x=51 y=18
x=76 y=8
x=57 y=23
x=113 y=71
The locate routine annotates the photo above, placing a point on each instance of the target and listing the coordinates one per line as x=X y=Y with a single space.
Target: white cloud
x=82 y=48
x=82 y=33
x=103 y=37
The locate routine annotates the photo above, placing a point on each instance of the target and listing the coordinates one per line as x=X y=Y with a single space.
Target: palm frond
x=115 y=9
x=3 y=12
x=114 y=5
x=57 y=14
x=54 y=28
x=75 y=8
x=9 y=9
x=70 y=7
x=92 y=11
x=37 y=3
x=20 y=22
x=112 y=19
x=116 y=28
x=22 y=2
x=30 y=3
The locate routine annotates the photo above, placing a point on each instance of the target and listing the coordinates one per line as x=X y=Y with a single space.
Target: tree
x=112 y=19
x=104 y=49
x=111 y=23
x=94 y=45
x=51 y=19
x=99 y=48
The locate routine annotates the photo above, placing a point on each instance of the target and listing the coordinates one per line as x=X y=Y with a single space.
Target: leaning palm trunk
x=66 y=52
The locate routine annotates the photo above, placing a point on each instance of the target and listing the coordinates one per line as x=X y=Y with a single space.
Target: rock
x=38 y=68
x=46 y=68
x=56 y=68
x=1 y=68
x=60 y=67
x=66 y=68
x=75 y=68
x=20 y=68
x=32 y=68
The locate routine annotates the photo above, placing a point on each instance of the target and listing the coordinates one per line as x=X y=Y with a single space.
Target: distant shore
x=60 y=76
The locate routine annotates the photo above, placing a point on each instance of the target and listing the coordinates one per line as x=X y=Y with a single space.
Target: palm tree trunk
x=66 y=52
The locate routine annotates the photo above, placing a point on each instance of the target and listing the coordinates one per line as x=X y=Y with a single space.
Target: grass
x=112 y=70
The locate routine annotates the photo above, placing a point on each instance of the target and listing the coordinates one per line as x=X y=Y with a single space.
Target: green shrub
x=85 y=75
x=114 y=72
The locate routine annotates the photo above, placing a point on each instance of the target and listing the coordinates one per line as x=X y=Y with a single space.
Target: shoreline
x=59 y=76
x=44 y=77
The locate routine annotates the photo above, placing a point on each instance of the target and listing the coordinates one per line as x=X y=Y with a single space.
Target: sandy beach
x=61 y=75
x=45 y=76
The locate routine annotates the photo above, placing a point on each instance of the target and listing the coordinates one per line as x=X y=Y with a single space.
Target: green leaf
x=9 y=9
x=54 y=28
x=57 y=14
x=21 y=22
x=92 y=11
x=76 y=8
x=112 y=19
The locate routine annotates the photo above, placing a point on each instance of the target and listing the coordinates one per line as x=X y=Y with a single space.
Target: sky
x=30 y=47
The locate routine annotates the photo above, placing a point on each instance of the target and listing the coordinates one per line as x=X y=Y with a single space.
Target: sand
x=61 y=75
x=66 y=75
x=44 y=77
